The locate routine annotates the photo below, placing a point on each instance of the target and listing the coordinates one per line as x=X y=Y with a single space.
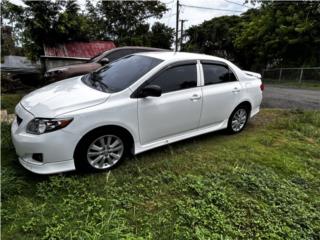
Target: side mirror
x=104 y=61
x=151 y=91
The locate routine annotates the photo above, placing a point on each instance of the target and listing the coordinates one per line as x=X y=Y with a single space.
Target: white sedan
x=134 y=104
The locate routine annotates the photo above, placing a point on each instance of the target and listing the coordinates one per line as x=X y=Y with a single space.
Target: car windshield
x=120 y=74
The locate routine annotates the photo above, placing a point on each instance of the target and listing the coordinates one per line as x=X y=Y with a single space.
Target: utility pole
x=177 y=26
x=181 y=37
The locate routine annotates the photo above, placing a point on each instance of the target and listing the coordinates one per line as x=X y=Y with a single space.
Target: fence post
x=280 y=74
x=301 y=74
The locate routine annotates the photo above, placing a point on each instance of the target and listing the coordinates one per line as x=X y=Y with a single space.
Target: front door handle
x=195 y=97
x=236 y=90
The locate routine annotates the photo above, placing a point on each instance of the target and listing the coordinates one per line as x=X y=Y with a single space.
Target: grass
x=9 y=101
x=260 y=184
x=295 y=84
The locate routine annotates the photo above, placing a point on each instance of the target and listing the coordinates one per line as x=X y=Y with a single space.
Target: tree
x=11 y=30
x=54 y=22
x=276 y=34
x=161 y=36
x=282 y=34
x=96 y=21
x=214 y=37
x=47 y=22
x=124 y=20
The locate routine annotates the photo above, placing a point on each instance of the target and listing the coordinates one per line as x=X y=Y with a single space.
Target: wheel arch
x=112 y=127
x=246 y=104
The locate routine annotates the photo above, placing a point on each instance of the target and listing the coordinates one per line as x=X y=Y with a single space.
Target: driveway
x=285 y=97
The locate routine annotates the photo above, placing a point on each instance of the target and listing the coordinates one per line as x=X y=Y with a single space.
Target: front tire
x=238 y=119
x=100 y=151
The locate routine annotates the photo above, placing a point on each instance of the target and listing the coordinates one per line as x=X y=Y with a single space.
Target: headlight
x=43 y=125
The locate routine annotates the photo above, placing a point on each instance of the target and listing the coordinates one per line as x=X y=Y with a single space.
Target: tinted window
x=232 y=77
x=217 y=74
x=177 y=78
x=121 y=74
x=118 y=54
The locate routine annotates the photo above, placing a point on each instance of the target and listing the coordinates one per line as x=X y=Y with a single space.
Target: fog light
x=37 y=157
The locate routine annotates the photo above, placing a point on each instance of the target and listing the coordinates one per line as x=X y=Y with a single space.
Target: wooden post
x=280 y=74
x=301 y=74
x=177 y=26
x=181 y=37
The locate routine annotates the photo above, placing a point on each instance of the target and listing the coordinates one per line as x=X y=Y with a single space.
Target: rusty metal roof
x=78 y=49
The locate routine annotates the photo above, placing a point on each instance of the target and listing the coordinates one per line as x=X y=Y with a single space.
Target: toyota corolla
x=137 y=103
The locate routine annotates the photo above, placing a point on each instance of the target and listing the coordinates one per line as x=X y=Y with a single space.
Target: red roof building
x=78 y=49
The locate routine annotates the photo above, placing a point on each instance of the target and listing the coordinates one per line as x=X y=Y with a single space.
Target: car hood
x=62 y=97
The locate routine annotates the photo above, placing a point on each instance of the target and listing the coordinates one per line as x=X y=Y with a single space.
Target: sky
x=193 y=16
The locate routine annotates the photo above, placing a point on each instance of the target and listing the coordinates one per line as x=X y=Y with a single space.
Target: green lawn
x=9 y=101
x=260 y=184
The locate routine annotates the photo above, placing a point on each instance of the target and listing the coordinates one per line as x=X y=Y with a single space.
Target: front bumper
x=47 y=168
x=56 y=147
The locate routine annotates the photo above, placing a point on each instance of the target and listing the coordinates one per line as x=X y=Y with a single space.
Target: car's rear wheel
x=238 y=119
x=101 y=151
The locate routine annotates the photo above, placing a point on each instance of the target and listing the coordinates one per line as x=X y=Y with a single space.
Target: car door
x=177 y=110
x=220 y=92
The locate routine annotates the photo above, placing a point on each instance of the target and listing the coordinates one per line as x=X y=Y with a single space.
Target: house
x=73 y=53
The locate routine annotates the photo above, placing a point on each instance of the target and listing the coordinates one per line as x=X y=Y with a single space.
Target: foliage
x=277 y=34
x=54 y=22
x=9 y=35
x=133 y=15
x=214 y=37
x=161 y=36
x=9 y=101
x=260 y=184
x=283 y=34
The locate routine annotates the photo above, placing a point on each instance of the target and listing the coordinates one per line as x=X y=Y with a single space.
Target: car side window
x=176 y=78
x=216 y=73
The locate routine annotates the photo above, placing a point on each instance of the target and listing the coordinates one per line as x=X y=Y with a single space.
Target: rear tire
x=238 y=119
x=101 y=150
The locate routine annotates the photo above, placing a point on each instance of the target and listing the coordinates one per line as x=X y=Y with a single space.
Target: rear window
x=215 y=73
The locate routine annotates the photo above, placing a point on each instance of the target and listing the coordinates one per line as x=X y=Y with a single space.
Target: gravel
x=285 y=97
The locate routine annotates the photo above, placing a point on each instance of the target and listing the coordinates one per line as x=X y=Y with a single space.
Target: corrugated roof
x=78 y=49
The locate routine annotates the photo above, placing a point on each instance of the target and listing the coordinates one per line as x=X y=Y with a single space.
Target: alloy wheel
x=105 y=151
x=239 y=119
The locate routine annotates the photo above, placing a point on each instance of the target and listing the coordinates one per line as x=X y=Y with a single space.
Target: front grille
x=19 y=120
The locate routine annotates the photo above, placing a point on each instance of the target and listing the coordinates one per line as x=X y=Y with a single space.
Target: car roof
x=180 y=56
x=139 y=47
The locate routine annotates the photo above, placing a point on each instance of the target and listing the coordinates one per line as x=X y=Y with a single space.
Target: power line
x=170 y=14
x=207 y=8
x=239 y=4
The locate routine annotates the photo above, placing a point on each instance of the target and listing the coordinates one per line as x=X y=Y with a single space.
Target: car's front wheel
x=238 y=119
x=100 y=151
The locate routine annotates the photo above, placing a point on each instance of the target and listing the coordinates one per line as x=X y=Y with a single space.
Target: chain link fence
x=293 y=75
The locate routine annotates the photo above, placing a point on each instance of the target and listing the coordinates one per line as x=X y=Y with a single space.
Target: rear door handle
x=236 y=90
x=195 y=97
